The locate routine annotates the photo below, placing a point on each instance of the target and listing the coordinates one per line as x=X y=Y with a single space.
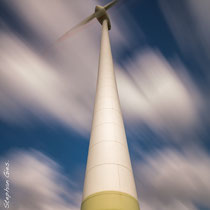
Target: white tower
x=109 y=182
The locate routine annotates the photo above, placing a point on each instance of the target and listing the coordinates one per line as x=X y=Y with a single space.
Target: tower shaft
x=109 y=182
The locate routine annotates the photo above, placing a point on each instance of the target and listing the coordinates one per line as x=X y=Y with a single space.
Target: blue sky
x=161 y=55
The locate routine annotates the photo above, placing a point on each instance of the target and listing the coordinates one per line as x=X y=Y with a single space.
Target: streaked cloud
x=165 y=180
x=159 y=93
x=173 y=180
x=60 y=83
x=155 y=90
x=189 y=22
x=51 y=83
x=37 y=182
x=31 y=83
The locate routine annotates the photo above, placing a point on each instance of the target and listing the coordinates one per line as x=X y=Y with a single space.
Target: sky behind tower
x=161 y=56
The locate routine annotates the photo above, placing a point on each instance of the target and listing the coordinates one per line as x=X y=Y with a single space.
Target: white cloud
x=165 y=180
x=36 y=182
x=60 y=84
x=159 y=93
x=28 y=81
x=172 y=180
x=156 y=94
x=189 y=22
x=63 y=86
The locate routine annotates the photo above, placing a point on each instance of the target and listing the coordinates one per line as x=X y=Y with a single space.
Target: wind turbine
x=109 y=182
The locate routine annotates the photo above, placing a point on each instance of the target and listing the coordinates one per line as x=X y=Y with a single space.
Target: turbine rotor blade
x=72 y=30
x=110 y=4
x=85 y=21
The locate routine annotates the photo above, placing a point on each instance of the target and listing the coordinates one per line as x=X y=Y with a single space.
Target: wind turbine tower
x=109 y=181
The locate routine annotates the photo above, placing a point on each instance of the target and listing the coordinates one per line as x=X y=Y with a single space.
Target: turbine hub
x=102 y=15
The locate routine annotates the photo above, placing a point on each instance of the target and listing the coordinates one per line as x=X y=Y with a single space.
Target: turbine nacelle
x=101 y=15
